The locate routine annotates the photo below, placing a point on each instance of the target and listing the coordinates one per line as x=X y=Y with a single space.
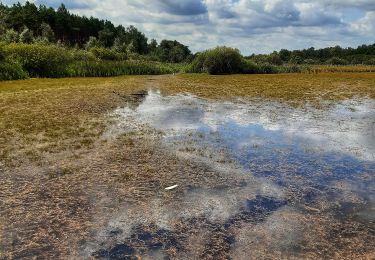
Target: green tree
x=2 y=20
x=106 y=37
x=10 y=36
x=274 y=59
x=63 y=23
x=220 y=60
x=172 y=51
x=137 y=39
x=26 y=36
x=92 y=43
x=47 y=32
x=284 y=55
x=130 y=48
x=119 y=45
x=296 y=58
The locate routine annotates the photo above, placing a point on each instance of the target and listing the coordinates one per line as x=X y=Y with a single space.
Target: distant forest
x=364 y=54
x=30 y=23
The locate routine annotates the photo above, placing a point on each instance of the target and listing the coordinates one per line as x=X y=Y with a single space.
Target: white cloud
x=250 y=25
x=365 y=25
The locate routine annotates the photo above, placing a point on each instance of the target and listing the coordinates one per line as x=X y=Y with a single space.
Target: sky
x=253 y=26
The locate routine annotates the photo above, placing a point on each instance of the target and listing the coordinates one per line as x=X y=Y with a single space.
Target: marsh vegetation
x=43 y=42
x=91 y=157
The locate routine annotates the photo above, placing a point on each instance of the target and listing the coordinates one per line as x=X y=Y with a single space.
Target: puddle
x=298 y=161
x=269 y=139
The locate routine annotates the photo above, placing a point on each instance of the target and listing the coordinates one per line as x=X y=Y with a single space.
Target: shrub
x=39 y=60
x=11 y=71
x=47 y=32
x=296 y=59
x=92 y=43
x=274 y=59
x=220 y=60
x=310 y=61
x=82 y=55
x=107 y=54
x=337 y=61
x=267 y=69
x=2 y=52
x=223 y=60
x=249 y=67
x=197 y=65
x=26 y=36
x=370 y=61
x=10 y=36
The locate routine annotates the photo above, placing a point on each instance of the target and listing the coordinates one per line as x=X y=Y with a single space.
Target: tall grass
x=54 y=61
x=337 y=68
x=39 y=60
x=117 y=68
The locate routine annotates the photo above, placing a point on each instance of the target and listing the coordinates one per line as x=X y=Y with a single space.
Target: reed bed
x=117 y=68
x=339 y=68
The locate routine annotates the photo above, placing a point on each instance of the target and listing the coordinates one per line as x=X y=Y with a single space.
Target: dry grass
x=56 y=114
x=295 y=88
x=341 y=69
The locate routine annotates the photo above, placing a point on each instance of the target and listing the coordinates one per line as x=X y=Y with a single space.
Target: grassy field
x=54 y=162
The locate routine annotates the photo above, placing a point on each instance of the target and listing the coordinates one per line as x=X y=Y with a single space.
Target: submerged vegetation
x=53 y=148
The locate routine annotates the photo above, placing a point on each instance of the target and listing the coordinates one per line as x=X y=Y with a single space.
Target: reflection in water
x=319 y=160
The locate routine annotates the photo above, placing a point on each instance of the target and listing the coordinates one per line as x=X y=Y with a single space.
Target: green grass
x=118 y=68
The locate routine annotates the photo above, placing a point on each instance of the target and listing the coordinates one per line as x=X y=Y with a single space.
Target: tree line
x=364 y=54
x=29 y=23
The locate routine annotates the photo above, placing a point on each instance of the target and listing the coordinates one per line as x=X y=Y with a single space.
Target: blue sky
x=253 y=26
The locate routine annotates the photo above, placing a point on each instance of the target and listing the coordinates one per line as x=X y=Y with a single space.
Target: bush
x=310 y=62
x=47 y=32
x=337 y=61
x=2 y=52
x=267 y=69
x=82 y=55
x=249 y=67
x=197 y=65
x=274 y=59
x=39 y=60
x=92 y=43
x=11 y=71
x=370 y=61
x=10 y=36
x=26 y=36
x=221 y=60
x=107 y=54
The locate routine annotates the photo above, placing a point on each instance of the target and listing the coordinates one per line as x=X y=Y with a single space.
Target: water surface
x=298 y=163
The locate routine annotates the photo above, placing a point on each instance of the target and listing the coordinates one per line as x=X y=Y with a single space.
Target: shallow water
x=299 y=161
